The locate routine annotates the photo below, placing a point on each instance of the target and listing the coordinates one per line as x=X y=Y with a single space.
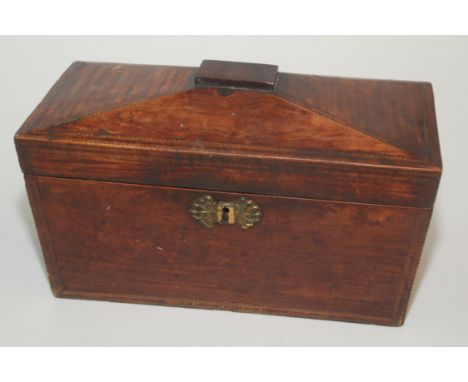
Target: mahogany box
x=233 y=186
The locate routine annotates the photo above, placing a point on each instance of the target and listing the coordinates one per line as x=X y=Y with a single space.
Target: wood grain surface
x=345 y=170
x=305 y=258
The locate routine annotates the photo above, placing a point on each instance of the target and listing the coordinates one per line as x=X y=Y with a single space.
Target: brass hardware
x=245 y=212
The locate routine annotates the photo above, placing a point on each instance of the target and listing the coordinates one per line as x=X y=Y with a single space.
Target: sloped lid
x=245 y=110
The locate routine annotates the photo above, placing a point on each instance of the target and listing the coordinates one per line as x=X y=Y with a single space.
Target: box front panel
x=308 y=258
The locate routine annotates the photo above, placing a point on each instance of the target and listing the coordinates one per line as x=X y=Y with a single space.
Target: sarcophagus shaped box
x=233 y=186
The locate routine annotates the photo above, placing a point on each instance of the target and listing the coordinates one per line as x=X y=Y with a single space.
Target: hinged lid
x=238 y=127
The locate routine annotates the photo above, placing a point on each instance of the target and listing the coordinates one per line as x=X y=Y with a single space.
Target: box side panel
x=44 y=232
x=137 y=243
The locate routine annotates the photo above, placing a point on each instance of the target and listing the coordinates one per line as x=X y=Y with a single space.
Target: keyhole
x=225 y=215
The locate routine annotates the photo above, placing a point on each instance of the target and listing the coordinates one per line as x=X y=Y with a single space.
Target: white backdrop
x=438 y=313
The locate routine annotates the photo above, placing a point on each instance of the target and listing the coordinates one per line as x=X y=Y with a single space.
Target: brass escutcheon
x=244 y=212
